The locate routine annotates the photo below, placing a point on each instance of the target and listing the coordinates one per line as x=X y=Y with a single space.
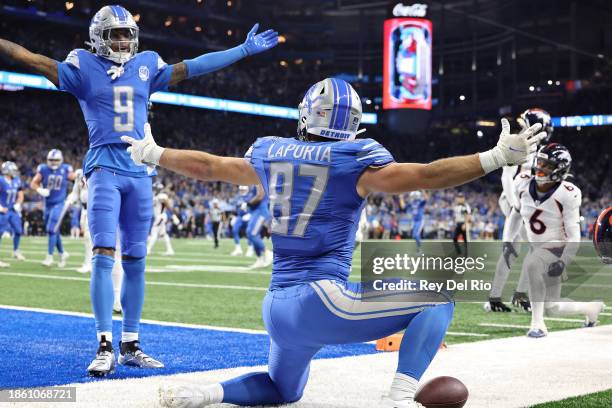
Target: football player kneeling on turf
x=549 y=207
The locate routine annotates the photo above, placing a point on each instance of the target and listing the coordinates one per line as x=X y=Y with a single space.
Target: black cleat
x=496 y=305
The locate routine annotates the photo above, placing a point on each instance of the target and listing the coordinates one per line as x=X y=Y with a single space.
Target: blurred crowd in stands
x=33 y=122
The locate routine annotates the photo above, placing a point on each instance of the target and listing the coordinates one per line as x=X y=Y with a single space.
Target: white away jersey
x=510 y=173
x=547 y=217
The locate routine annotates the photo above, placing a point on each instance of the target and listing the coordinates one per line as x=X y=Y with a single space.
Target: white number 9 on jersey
x=124 y=107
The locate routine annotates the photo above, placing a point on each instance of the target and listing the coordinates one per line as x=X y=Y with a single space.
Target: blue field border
x=40 y=349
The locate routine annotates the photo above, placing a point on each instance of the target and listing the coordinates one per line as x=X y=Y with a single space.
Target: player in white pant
x=79 y=194
x=512 y=249
x=161 y=202
x=549 y=207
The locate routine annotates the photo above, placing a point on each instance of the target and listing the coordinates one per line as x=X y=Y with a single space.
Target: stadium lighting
x=16 y=79
x=69 y=5
x=486 y=123
x=479 y=134
x=558 y=83
x=550 y=82
x=282 y=39
x=462 y=97
x=198 y=28
x=532 y=88
x=229 y=33
x=137 y=17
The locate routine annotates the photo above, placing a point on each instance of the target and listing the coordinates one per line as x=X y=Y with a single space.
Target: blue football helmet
x=9 y=169
x=114 y=25
x=55 y=158
x=332 y=109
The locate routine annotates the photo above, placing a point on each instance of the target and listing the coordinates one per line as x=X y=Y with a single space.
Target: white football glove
x=511 y=149
x=44 y=192
x=144 y=152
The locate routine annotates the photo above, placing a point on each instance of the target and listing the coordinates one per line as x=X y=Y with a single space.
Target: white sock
x=168 y=244
x=403 y=387
x=108 y=335
x=128 y=336
x=215 y=392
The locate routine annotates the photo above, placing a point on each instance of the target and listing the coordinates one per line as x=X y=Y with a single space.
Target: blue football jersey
x=418 y=209
x=8 y=191
x=314 y=203
x=237 y=202
x=261 y=205
x=113 y=108
x=56 y=181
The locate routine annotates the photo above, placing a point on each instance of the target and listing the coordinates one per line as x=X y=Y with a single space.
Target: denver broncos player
x=549 y=207
x=316 y=184
x=51 y=182
x=511 y=250
x=113 y=83
x=11 y=198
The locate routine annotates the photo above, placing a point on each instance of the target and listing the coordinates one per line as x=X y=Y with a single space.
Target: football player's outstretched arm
x=35 y=62
x=452 y=171
x=199 y=165
x=254 y=44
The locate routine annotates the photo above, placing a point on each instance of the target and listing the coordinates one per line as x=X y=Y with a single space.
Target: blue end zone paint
x=43 y=349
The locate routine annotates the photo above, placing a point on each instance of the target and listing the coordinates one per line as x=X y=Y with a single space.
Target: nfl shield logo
x=143 y=73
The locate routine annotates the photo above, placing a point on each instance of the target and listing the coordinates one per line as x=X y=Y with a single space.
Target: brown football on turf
x=442 y=392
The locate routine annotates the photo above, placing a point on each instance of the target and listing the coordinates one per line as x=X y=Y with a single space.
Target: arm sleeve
x=213 y=61
x=161 y=80
x=70 y=75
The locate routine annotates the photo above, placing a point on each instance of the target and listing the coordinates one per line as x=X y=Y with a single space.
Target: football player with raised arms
x=113 y=83
x=51 y=183
x=511 y=250
x=549 y=208
x=317 y=184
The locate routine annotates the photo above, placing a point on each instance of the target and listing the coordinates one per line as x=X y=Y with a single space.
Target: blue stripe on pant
x=304 y=318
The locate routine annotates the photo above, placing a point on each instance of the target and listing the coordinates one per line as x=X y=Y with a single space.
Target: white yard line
x=453 y=333
x=504 y=326
x=119 y=318
x=152 y=283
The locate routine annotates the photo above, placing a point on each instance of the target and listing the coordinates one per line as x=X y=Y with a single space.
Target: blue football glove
x=256 y=43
